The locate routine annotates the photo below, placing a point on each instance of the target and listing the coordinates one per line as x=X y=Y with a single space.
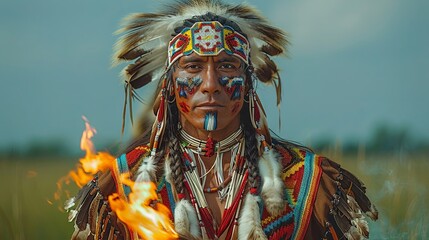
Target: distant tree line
x=51 y=148
x=384 y=139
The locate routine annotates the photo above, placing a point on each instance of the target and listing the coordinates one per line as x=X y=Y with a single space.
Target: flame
x=142 y=213
x=93 y=162
x=87 y=166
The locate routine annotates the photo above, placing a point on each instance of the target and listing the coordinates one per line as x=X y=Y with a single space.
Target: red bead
x=253 y=190
x=181 y=196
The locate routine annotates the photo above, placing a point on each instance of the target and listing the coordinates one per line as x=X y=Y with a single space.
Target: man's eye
x=227 y=66
x=193 y=66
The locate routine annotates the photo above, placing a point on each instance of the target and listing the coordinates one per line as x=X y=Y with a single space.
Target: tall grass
x=27 y=206
x=395 y=182
x=397 y=185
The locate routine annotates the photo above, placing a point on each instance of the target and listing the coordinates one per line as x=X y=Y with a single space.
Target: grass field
x=396 y=184
x=27 y=186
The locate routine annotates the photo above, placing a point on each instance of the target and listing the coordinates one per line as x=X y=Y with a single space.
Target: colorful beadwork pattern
x=208 y=39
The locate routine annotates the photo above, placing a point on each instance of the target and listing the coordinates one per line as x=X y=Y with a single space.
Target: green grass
x=26 y=186
x=396 y=184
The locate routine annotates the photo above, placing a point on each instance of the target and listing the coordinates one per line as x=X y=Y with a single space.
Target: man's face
x=209 y=91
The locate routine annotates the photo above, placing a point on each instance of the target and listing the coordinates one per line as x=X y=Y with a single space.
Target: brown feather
x=82 y=217
x=132 y=54
x=124 y=108
x=270 y=50
x=130 y=99
x=358 y=193
x=266 y=72
x=93 y=208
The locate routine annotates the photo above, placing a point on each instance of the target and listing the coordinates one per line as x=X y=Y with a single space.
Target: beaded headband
x=208 y=39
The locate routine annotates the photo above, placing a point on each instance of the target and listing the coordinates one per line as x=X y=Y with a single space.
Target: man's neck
x=218 y=135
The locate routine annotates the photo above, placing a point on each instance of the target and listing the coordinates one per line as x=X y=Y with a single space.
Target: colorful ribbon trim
x=306 y=196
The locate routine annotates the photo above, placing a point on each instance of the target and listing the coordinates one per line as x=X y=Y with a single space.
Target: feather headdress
x=145 y=39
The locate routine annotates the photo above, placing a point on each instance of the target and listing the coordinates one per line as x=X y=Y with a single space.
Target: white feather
x=249 y=223
x=359 y=228
x=272 y=185
x=70 y=203
x=167 y=170
x=185 y=219
x=146 y=171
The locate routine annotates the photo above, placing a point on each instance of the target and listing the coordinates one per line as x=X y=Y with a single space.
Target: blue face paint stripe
x=210 y=121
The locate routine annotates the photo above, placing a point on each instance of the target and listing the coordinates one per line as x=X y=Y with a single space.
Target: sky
x=351 y=66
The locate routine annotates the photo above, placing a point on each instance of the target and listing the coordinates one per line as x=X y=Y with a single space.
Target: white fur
x=249 y=223
x=272 y=184
x=146 y=171
x=167 y=170
x=185 y=219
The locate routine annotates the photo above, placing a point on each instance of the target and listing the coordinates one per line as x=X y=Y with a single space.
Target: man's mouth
x=209 y=106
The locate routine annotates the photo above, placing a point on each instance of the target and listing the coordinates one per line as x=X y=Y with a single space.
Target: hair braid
x=176 y=164
x=174 y=147
x=159 y=162
x=252 y=155
x=251 y=152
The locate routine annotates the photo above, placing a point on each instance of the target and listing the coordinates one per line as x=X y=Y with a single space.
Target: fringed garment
x=322 y=200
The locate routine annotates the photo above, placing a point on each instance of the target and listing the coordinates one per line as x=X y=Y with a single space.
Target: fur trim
x=272 y=185
x=249 y=223
x=185 y=219
x=147 y=170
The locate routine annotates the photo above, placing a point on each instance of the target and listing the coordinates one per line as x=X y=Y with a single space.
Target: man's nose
x=211 y=84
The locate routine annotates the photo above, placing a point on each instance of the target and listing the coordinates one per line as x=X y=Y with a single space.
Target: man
x=209 y=151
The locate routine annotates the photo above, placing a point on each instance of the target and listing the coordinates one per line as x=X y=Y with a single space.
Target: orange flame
x=89 y=165
x=92 y=162
x=142 y=213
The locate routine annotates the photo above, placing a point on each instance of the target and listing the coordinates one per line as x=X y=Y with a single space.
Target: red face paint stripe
x=236 y=107
x=184 y=107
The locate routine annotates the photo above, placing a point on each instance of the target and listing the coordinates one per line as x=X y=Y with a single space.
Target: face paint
x=236 y=107
x=210 y=121
x=233 y=86
x=187 y=85
x=184 y=107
